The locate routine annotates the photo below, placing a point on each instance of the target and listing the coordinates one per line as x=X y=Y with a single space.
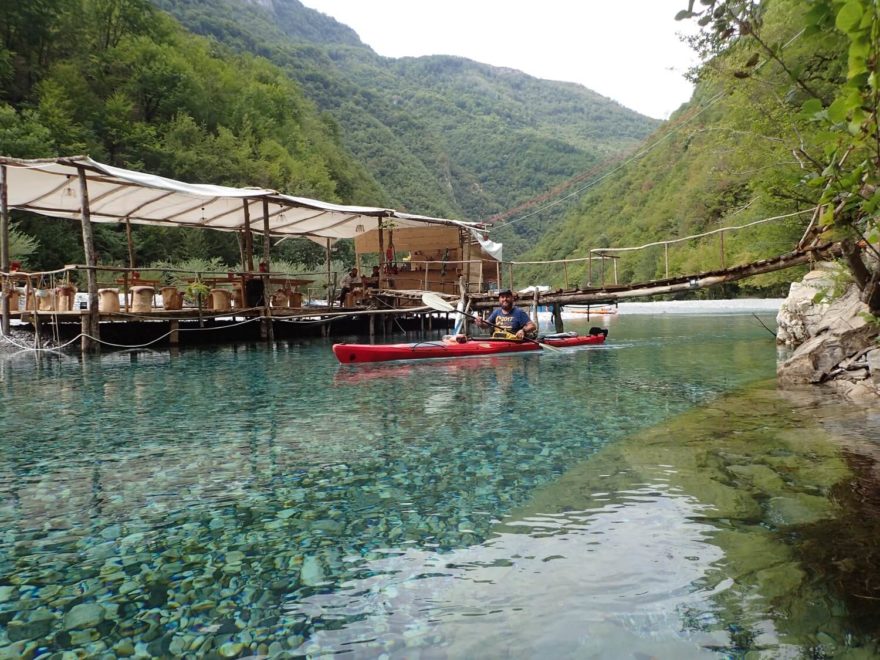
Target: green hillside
x=742 y=150
x=124 y=83
x=443 y=135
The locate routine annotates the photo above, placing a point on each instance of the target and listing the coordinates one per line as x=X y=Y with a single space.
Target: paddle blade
x=434 y=301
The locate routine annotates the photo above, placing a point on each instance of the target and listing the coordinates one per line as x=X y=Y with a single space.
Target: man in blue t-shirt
x=509 y=318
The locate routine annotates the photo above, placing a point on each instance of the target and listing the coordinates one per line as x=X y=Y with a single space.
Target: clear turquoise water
x=236 y=501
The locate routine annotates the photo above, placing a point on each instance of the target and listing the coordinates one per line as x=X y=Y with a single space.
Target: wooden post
x=721 y=237
x=248 y=240
x=557 y=317
x=510 y=276
x=614 y=264
x=666 y=257
x=589 y=268
x=329 y=277
x=535 y=301
x=498 y=275
x=466 y=254
x=382 y=263
x=239 y=235
x=463 y=268
x=4 y=253
x=38 y=339
x=91 y=261
x=130 y=242
x=462 y=293
x=565 y=268
x=174 y=336
x=269 y=327
x=602 y=269
x=125 y=290
x=372 y=327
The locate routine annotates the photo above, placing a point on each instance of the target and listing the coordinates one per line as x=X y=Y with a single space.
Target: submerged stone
x=84 y=615
x=311 y=573
x=798 y=509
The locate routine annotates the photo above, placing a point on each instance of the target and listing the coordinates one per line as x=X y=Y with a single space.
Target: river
x=656 y=496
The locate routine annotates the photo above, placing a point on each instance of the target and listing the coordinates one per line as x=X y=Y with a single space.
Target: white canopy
x=51 y=187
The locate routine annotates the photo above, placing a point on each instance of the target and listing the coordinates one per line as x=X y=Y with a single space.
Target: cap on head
x=505 y=292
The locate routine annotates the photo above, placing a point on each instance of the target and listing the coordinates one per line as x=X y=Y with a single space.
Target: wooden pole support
x=558 y=325
x=91 y=260
x=266 y=270
x=4 y=253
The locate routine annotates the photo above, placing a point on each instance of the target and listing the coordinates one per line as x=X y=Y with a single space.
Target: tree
x=841 y=163
x=21 y=246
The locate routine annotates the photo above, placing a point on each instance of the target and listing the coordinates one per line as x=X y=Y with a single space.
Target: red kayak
x=445 y=348
x=569 y=339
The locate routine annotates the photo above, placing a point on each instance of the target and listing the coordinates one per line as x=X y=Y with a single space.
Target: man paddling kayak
x=509 y=318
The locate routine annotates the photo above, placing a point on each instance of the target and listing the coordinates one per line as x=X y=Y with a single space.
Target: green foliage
x=196 y=290
x=442 y=135
x=122 y=82
x=179 y=272
x=836 y=105
x=21 y=246
x=765 y=135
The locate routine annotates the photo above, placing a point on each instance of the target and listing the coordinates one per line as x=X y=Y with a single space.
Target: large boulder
x=832 y=335
x=801 y=312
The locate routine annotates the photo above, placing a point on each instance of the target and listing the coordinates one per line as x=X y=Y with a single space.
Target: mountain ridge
x=443 y=135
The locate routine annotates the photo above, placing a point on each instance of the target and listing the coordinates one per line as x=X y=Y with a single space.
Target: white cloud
x=626 y=50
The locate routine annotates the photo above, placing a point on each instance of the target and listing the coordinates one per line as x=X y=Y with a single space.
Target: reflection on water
x=546 y=585
x=599 y=502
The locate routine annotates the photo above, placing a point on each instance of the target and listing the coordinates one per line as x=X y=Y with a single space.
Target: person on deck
x=349 y=282
x=372 y=282
x=509 y=318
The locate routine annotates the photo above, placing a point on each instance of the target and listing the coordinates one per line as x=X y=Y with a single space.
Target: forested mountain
x=443 y=135
x=280 y=96
x=759 y=139
x=126 y=84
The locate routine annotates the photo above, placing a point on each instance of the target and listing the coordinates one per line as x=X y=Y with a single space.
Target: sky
x=627 y=50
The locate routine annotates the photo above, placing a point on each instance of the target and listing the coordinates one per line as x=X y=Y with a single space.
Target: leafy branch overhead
x=842 y=160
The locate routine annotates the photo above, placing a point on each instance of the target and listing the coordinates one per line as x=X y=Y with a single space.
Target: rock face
x=834 y=341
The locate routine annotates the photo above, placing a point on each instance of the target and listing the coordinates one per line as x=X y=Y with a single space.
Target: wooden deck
x=381 y=312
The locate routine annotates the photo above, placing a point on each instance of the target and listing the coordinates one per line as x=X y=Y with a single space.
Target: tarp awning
x=51 y=187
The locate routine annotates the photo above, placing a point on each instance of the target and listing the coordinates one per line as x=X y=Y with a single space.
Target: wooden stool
x=354 y=298
x=108 y=300
x=64 y=296
x=14 y=297
x=171 y=297
x=142 y=298
x=237 y=300
x=45 y=300
x=220 y=299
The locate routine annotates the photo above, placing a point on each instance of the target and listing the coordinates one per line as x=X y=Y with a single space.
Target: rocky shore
x=834 y=337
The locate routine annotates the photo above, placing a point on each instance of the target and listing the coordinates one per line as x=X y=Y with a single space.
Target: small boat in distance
x=590 y=309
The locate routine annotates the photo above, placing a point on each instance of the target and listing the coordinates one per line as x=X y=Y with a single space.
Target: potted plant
x=196 y=291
